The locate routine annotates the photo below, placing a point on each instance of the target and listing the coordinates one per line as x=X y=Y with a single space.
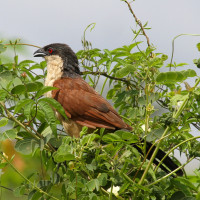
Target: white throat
x=54 y=71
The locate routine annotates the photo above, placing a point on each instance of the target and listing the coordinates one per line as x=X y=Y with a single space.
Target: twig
x=106 y=75
x=164 y=134
x=33 y=184
x=175 y=147
x=6 y=188
x=138 y=22
x=31 y=45
x=11 y=117
x=171 y=172
x=173 y=45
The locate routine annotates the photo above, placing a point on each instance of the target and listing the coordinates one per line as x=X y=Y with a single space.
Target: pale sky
x=42 y=22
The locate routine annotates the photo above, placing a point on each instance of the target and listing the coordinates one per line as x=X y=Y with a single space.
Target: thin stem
x=175 y=147
x=38 y=189
x=31 y=45
x=106 y=75
x=157 y=181
x=173 y=45
x=138 y=22
x=165 y=133
x=11 y=117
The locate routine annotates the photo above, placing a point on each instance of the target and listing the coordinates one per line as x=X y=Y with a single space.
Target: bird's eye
x=50 y=50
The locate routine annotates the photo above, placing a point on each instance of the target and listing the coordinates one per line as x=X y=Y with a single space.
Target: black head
x=70 y=61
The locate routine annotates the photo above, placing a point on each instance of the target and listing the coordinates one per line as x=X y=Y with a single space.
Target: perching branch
x=138 y=22
x=106 y=75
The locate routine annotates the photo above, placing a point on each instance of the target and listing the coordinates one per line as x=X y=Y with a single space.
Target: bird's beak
x=40 y=53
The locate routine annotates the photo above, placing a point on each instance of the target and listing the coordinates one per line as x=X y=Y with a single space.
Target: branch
x=31 y=45
x=32 y=184
x=164 y=134
x=106 y=75
x=138 y=22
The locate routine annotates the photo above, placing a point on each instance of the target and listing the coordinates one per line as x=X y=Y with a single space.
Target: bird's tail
x=167 y=165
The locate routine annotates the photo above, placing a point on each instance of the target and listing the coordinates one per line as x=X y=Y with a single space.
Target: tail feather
x=167 y=165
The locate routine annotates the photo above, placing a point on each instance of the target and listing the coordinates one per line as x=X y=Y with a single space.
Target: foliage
x=105 y=165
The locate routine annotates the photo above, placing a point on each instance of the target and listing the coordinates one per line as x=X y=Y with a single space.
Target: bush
x=104 y=166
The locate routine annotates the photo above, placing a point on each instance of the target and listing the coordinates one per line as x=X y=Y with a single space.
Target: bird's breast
x=54 y=71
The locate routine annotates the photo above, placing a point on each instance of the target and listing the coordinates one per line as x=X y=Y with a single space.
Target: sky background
x=41 y=22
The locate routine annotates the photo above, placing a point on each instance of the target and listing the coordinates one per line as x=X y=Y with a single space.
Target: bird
x=82 y=104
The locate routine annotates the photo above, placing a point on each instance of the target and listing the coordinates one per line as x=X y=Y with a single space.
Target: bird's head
x=61 y=52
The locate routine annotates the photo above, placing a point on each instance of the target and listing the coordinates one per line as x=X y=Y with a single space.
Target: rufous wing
x=85 y=106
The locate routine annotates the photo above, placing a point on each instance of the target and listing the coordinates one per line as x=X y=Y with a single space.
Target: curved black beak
x=39 y=53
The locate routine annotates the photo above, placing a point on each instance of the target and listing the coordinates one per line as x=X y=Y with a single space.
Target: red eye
x=50 y=50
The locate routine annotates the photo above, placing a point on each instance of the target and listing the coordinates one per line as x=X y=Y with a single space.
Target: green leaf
x=111 y=93
x=26 y=146
x=111 y=137
x=125 y=70
x=9 y=134
x=19 y=89
x=43 y=64
x=3 y=95
x=43 y=90
x=49 y=114
x=198 y=46
x=19 y=191
x=87 y=139
x=55 y=104
x=26 y=62
x=3 y=122
x=102 y=179
x=34 y=195
x=2 y=48
x=28 y=108
x=173 y=77
x=164 y=57
x=22 y=103
x=46 y=131
x=91 y=185
x=31 y=87
x=61 y=158
x=6 y=75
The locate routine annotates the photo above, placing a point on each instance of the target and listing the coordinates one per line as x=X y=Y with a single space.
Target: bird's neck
x=58 y=68
x=54 y=69
x=70 y=68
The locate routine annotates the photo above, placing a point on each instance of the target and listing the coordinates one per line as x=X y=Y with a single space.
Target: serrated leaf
x=3 y=95
x=55 y=104
x=27 y=109
x=22 y=103
x=46 y=131
x=44 y=90
x=49 y=114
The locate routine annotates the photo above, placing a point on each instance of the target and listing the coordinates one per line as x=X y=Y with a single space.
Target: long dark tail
x=167 y=165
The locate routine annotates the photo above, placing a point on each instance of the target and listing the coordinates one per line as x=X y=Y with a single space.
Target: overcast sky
x=42 y=22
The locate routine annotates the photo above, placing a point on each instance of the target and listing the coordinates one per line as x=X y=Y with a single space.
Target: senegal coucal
x=82 y=104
